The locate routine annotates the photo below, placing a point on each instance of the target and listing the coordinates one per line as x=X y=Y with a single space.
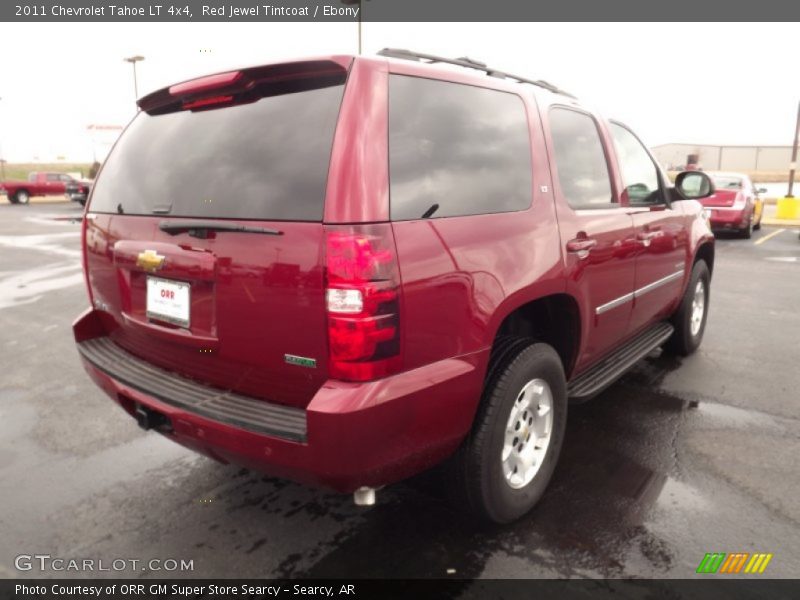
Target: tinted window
x=264 y=160
x=727 y=182
x=580 y=160
x=53 y=177
x=639 y=172
x=464 y=148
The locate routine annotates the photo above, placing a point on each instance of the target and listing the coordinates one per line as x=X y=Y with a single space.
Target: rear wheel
x=22 y=197
x=747 y=232
x=690 y=318
x=504 y=466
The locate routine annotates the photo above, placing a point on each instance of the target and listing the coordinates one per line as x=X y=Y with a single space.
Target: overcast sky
x=672 y=82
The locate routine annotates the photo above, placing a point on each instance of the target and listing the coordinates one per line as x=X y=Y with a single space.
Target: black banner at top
x=395 y=10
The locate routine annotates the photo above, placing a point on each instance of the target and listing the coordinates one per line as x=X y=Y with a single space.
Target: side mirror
x=693 y=185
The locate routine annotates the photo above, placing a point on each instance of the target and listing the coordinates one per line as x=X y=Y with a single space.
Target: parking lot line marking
x=767 y=237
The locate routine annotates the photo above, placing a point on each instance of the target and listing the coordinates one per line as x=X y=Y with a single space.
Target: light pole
x=2 y=159
x=133 y=60
x=354 y=2
x=793 y=164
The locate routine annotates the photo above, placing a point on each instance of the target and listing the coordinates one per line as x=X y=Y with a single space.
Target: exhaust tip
x=364 y=496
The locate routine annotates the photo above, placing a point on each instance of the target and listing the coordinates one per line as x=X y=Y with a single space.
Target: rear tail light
x=362 y=298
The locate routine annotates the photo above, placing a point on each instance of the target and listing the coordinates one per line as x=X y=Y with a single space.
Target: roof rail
x=468 y=63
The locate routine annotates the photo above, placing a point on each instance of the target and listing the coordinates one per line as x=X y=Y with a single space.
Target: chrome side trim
x=725 y=208
x=636 y=293
x=613 y=304
x=658 y=283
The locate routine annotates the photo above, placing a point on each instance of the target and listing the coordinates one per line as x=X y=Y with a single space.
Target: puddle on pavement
x=29 y=286
x=618 y=463
x=56 y=219
x=732 y=416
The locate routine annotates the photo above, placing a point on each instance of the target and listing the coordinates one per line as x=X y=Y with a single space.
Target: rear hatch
x=204 y=238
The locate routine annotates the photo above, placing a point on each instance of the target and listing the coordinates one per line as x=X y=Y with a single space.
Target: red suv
x=346 y=270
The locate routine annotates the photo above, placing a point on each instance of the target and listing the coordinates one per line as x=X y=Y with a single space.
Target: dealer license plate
x=168 y=301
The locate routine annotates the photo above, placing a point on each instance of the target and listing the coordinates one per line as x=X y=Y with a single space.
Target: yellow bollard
x=788 y=208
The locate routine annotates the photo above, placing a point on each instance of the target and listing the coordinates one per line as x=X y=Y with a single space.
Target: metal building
x=724 y=158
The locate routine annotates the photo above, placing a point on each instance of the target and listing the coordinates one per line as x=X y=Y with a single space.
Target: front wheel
x=505 y=464
x=690 y=318
x=22 y=197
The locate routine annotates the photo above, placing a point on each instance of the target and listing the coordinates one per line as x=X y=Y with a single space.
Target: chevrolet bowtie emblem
x=149 y=260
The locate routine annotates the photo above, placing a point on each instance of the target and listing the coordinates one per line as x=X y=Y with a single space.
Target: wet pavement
x=680 y=458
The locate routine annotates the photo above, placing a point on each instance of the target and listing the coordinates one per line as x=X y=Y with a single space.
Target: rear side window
x=463 y=148
x=264 y=160
x=580 y=159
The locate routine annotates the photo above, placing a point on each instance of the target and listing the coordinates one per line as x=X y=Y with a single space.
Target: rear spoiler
x=246 y=85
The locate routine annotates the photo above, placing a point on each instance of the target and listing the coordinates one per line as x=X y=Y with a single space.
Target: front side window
x=456 y=150
x=580 y=159
x=639 y=172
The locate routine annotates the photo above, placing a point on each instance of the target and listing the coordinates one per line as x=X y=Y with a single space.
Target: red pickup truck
x=38 y=184
x=419 y=261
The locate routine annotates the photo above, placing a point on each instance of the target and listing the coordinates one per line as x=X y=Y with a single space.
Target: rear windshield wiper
x=429 y=213
x=200 y=229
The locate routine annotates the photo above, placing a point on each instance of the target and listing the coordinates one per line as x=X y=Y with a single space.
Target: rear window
x=724 y=182
x=463 y=148
x=265 y=160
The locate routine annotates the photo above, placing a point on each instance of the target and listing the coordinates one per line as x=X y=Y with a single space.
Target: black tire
x=684 y=340
x=747 y=232
x=478 y=481
x=22 y=197
x=757 y=226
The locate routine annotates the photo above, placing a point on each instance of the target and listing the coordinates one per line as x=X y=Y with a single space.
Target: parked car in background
x=78 y=191
x=37 y=184
x=736 y=204
x=294 y=320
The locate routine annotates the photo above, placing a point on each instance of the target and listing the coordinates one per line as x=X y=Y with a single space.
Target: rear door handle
x=581 y=246
x=648 y=235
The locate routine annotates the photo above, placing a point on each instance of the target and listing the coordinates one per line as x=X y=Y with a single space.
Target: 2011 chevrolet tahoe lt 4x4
x=346 y=270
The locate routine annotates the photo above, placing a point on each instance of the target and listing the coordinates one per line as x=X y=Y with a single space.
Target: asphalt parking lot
x=678 y=459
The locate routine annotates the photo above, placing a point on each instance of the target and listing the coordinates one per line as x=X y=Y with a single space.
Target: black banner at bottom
x=481 y=589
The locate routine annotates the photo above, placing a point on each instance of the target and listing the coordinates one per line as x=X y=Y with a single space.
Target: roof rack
x=468 y=63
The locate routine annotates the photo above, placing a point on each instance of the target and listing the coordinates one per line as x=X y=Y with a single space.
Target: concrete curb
x=786 y=223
